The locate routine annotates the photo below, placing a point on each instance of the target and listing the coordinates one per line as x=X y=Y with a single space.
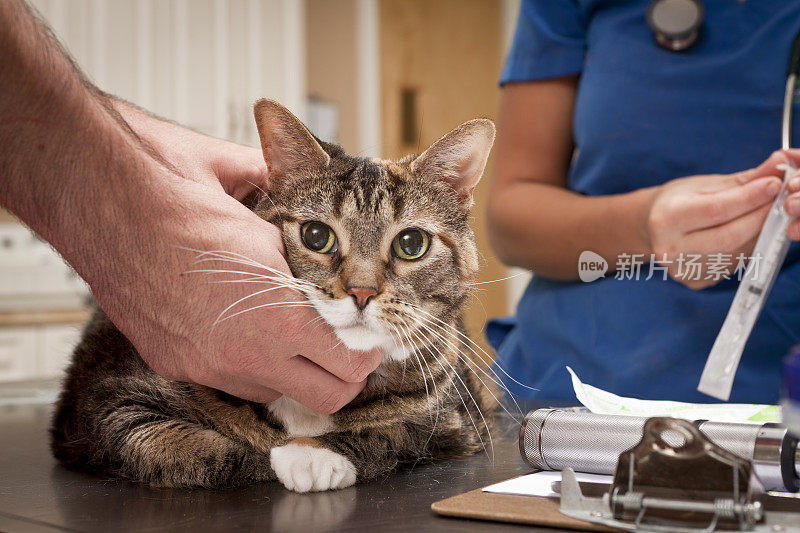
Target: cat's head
x=386 y=245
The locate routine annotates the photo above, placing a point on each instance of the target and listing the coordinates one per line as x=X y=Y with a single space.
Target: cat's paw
x=304 y=468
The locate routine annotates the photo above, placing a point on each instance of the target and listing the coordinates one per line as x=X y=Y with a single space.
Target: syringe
x=765 y=263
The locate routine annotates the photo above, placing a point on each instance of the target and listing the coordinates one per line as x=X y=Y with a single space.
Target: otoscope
x=554 y=439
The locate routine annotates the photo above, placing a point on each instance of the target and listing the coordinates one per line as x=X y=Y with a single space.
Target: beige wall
x=331 y=57
x=450 y=53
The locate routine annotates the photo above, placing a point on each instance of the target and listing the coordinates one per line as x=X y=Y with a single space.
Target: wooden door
x=440 y=61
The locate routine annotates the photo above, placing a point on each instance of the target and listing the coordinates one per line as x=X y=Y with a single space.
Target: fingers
x=793 y=154
x=793 y=231
x=709 y=210
x=770 y=167
x=324 y=348
x=792 y=206
x=234 y=385
x=316 y=388
x=767 y=168
x=729 y=237
x=251 y=392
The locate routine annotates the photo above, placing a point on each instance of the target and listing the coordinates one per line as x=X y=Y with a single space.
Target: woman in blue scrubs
x=611 y=144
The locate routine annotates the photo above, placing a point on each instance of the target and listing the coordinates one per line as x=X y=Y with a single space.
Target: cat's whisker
x=268 y=305
x=494 y=280
x=451 y=331
x=433 y=382
x=400 y=330
x=402 y=345
x=313 y=320
x=470 y=363
x=243 y=280
x=399 y=348
x=253 y=276
x=470 y=342
x=466 y=408
x=418 y=355
x=336 y=346
x=452 y=342
x=233 y=257
x=433 y=429
x=236 y=261
x=240 y=300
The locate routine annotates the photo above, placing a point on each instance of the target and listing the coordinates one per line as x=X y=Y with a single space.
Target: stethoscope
x=676 y=25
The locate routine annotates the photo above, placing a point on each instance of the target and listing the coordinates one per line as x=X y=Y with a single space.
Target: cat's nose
x=362 y=295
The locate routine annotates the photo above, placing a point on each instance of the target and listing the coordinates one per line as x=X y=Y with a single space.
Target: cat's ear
x=287 y=144
x=459 y=157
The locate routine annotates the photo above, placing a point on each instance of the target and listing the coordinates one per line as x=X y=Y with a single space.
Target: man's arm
x=123 y=215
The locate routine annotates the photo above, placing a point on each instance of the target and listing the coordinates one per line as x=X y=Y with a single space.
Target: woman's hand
x=701 y=217
x=792 y=205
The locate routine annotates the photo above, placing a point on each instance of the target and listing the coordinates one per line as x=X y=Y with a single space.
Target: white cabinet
x=33 y=275
x=18 y=354
x=54 y=346
x=35 y=352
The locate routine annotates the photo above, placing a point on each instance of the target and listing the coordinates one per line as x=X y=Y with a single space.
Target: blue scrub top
x=644 y=116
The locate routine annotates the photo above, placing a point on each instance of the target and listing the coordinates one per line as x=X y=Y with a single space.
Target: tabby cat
x=384 y=252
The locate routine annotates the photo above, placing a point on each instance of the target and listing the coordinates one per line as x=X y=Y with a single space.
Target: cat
x=384 y=252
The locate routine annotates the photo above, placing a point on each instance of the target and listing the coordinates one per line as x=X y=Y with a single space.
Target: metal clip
x=677 y=480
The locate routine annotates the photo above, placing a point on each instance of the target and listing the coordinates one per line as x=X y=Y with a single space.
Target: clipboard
x=529 y=510
x=694 y=485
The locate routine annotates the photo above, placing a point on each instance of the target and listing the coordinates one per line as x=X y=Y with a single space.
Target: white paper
x=602 y=402
x=541 y=483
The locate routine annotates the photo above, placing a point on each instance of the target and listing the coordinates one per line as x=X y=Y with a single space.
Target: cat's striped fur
x=117 y=417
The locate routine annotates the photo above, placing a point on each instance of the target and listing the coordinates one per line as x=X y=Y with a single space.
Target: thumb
x=768 y=168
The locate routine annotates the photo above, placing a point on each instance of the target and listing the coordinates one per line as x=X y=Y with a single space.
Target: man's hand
x=716 y=214
x=124 y=209
x=276 y=345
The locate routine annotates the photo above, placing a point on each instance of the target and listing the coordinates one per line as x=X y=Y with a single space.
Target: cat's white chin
x=360 y=338
x=358 y=331
x=363 y=338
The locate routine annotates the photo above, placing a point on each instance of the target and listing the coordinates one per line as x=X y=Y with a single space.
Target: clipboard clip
x=676 y=479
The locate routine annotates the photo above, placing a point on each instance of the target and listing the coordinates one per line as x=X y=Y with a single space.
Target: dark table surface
x=36 y=494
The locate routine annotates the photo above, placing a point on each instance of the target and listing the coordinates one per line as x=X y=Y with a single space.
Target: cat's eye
x=411 y=244
x=318 y=237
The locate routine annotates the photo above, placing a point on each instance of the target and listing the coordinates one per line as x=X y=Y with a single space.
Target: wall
x=199 y=62
x=331 y=56
x=448 y=53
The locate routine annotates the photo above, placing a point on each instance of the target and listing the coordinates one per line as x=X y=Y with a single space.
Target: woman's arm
x=535 y=222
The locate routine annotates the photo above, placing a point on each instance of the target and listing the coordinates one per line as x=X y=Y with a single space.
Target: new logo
x=591 y=266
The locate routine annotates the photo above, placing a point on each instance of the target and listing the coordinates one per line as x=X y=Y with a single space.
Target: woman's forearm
x=545 y=228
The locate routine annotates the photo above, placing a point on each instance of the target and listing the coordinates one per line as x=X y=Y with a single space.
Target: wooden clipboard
x=529 y=510
x=538 y=511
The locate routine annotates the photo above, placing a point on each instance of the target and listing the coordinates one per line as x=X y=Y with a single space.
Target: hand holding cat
x=122 y=208
x=256 y=355
x=716 y=214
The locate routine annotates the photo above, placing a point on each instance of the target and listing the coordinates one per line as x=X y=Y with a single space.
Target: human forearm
x=59 y=145
x=545 y=228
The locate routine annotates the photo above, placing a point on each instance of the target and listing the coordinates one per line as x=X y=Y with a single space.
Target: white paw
x=305 y=468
